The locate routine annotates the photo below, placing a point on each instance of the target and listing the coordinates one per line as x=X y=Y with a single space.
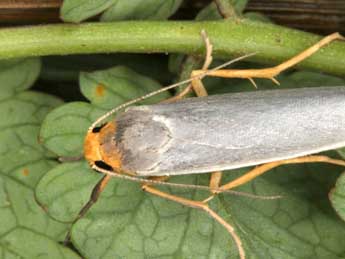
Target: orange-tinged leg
x=198 y=87
x=96 y=192
x=261 y=169
x=201 y=91
x=202 y=206
x=179 y=96
x=270 y=73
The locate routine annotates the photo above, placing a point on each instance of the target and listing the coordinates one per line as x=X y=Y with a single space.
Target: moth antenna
x=164 y=89
x=179 y=185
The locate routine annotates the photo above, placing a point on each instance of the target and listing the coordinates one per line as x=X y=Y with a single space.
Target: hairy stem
x=272 y=43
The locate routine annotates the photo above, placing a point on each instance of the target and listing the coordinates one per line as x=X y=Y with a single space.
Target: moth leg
x=215 y=180
x=249 y=74
x=261 y=169
x=202 y=206
x=97 y=190
x=179 y=96
x=200 y=90
x=196 y=83
x=272 y=72
x=70 y=158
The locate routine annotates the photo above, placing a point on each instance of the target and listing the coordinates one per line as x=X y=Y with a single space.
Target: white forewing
x=229 y=131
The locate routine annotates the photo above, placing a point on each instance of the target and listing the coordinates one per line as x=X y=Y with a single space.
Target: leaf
x=134 y=221
x=301 y=224
x=239 y=5
x=64 y=129
x=109 y=88
x=229 y=8
x=341 y=152
x=256 y=16
x=141 y=10
x=126 y=222
x=26 y=230
x=65 y=189
x=23 y=243
x=209 y=13
x=17 y=75
x=115 y=10
x=79 y=10
x=337 y=196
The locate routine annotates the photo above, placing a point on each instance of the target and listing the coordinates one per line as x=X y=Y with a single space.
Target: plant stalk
x=272 y=43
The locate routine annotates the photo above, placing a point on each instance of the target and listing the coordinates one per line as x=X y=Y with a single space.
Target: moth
x=213 y=133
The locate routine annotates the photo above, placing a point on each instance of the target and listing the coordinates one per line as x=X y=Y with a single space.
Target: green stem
x=272 y=43
x=226 y=9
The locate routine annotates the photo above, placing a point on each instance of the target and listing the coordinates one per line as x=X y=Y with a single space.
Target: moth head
x=100 y=147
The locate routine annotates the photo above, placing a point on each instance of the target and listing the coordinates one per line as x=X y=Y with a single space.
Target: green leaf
x=217 y=9
x=64 y=129
x=126 y=222
x=260 y=17
x=79 y=10
x=23 y=243
x=209 y=13
x=26 y=230
x=109 y=88
x=17 y=75
x=141 y=10
x=115 y=10
x=299 y=225
x=239 y=5
x=337 y=196
x=341 y=152
x=136 y=224
x=66 y=188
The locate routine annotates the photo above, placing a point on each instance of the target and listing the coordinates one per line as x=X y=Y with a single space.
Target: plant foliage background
x=40 y=195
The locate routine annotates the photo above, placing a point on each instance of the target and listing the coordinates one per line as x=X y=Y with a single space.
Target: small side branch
x=226 y=9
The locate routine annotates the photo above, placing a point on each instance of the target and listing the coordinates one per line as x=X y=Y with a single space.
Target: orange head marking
x=91 y=147
x=101 y=146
